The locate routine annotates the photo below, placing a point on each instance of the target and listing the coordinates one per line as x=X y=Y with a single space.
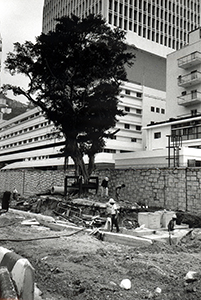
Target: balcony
x=190 y=99
x=190 y=60
x=189 y=79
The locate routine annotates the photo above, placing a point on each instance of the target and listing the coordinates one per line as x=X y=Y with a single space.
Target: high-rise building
x=156 y=26
x=0 y=56
x=146 y=78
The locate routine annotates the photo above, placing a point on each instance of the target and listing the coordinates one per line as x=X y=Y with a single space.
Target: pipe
x=57 y=190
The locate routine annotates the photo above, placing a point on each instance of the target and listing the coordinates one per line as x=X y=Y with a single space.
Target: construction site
x=72 y=253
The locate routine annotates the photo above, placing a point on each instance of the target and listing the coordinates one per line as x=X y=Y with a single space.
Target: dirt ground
x=70 y=265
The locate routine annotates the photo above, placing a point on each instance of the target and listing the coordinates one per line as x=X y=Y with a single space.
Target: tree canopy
x=74 y=76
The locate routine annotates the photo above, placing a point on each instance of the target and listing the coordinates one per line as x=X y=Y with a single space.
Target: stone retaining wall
x=177 y=189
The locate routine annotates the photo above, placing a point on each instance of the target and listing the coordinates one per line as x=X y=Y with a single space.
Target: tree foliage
x=74 y=77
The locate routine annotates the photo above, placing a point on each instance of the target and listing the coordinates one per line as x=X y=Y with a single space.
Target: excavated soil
x=70 y=265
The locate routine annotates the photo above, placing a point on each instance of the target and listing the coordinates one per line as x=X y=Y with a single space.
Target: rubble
x=89 y=213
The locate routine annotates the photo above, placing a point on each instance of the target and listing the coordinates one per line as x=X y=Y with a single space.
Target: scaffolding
x=174 y=144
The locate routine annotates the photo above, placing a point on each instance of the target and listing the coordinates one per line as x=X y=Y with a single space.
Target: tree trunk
x=72 y=150
x=80 y=168
x=91 y=164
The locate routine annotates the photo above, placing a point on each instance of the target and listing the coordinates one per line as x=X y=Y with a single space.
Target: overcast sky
x=20 y=20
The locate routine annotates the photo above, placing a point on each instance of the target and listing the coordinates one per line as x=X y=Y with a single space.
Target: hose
x=41 y=238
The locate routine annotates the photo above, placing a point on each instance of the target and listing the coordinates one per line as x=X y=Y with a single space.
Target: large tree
x=74 y=76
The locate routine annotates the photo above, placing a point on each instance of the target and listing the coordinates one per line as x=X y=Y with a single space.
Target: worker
x=118 y=190
x=15 y=194
x=112 y=213
x=6 y=200
x=104 y=187
x=172 y=223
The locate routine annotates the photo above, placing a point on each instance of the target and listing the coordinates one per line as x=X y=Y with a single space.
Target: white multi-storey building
x=178 y=139
x=26 y=139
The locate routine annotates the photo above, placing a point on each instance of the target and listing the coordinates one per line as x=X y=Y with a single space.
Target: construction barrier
x=21 y=271
x=7 y=288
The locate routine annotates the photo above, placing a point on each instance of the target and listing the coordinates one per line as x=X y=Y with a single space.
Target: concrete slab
x=126 y=239
x=137 y=232
x=163 y=236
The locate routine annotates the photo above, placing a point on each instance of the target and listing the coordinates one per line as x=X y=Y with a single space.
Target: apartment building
x=184 y=79
x=181 y=131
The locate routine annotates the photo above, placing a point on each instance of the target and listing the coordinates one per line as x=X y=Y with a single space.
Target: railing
x=189 y=79
x=189 y=99
x=189 y=60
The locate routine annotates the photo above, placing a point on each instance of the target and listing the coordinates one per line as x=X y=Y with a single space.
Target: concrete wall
x=167 y=188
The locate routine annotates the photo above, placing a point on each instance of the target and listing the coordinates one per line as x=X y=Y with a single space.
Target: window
x=194 y=94
x=162 y=110
x=194 y=74
x=127 y=92
x=138 y=111
x=139 y=95
x=193 y=112
x=138 y=127
x=157 y=109
x=133 y=140
x=127 y=126
x=157 y=135
x=127 y=108
x=152 y=108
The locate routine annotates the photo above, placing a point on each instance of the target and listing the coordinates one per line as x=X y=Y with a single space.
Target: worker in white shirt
x=112 y=213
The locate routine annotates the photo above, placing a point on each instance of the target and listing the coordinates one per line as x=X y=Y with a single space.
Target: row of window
x=137 y=127
x=171 y=5
x=137 y=110
x=28 y=141
x=22 y=120
x=153 y=11
x=158 y=110
x=135 y=94
x=188 y=133
x=37 y=158
x=156 y=33
x=30 y=128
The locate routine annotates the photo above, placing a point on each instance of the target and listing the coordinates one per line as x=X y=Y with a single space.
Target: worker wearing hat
x=172 y=223
x=112 y=213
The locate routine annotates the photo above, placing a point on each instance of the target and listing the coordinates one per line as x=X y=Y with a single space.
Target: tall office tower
x=143 y=97
x=156 y=26
x=0 y=56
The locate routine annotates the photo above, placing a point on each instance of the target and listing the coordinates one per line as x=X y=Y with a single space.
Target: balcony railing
x=190 y=99
x=189 y=79
x=190 y=60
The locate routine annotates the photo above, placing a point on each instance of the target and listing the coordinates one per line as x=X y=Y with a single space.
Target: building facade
x=157 y=26
x=0 y=57
x=184 y=78
x=181 y=131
